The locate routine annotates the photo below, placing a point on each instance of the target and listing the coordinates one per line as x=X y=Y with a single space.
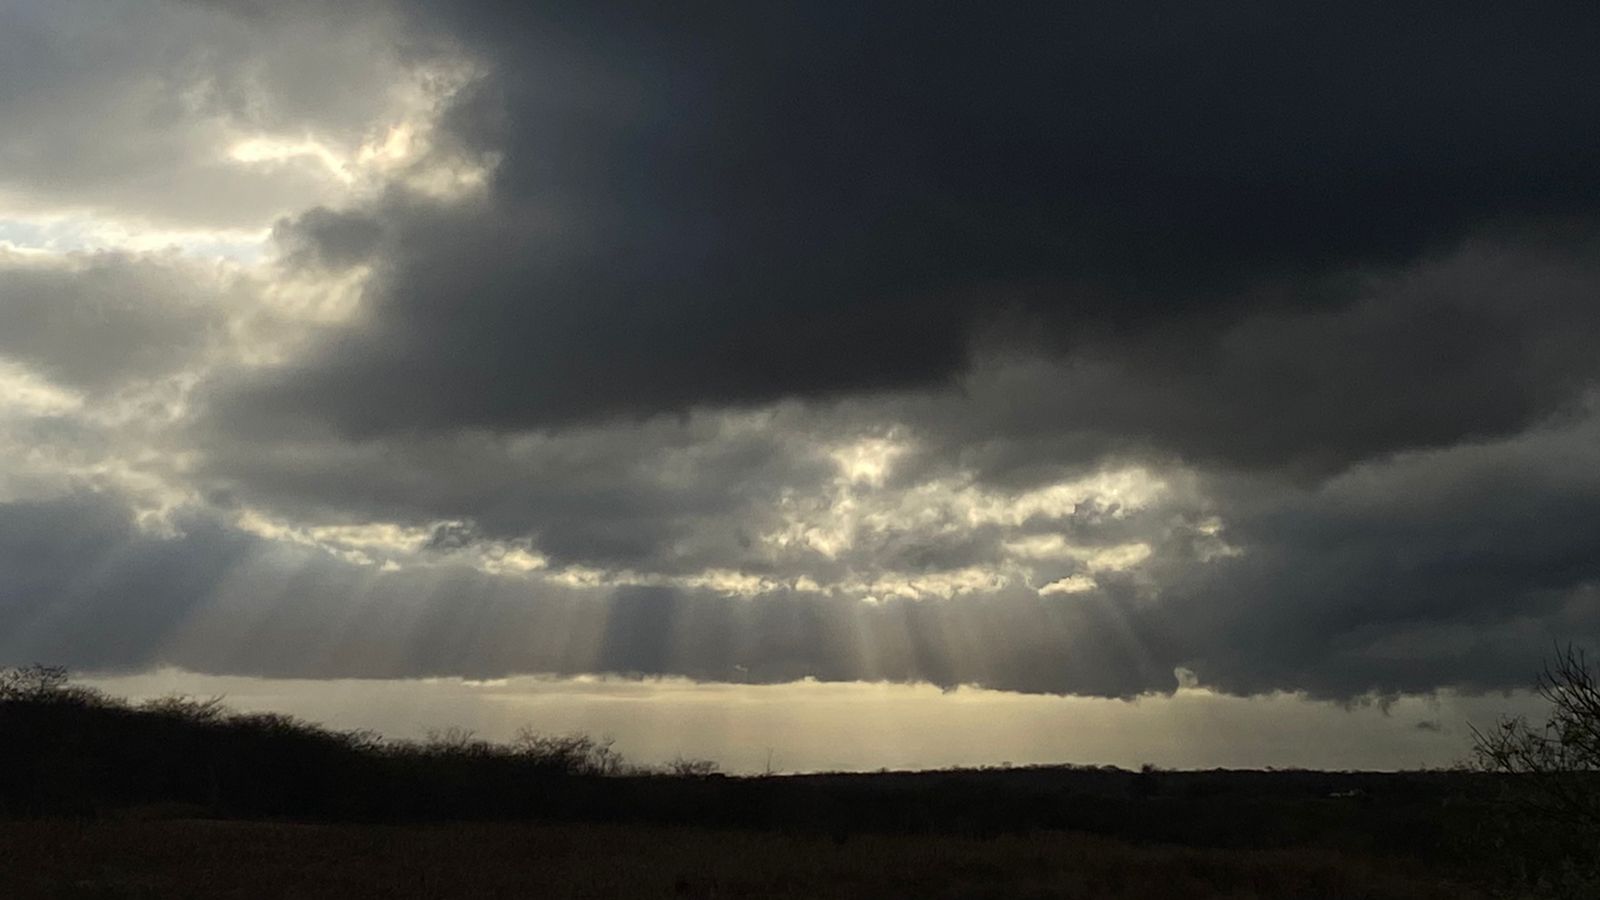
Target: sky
x=891 y=384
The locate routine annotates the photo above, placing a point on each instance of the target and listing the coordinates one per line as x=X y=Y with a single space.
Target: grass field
x=222 y=859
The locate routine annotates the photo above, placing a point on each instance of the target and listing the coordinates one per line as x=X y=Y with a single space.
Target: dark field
x=153 y=859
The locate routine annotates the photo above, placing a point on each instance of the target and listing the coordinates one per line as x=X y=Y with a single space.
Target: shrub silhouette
x=1552 y=789
x=1555 y=764
x=692 y=768
x=570 y=754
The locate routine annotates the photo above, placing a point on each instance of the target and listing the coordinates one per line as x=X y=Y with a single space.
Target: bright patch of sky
x=83 y=232
x=816 y=726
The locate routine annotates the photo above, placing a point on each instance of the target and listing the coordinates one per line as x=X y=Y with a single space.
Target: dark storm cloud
x=1453 y=566
x=1486 y=340
x=737 y=204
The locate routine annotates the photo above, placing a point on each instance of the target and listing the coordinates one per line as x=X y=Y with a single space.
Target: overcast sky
x=1085 y=351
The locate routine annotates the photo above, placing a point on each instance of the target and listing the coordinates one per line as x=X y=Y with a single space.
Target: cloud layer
x=1049 y=351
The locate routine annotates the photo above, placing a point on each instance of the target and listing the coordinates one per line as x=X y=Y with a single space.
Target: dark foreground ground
x=198 y=858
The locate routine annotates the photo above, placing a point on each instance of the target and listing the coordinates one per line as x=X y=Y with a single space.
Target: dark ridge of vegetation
x=67 y=750
x=71 y=750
